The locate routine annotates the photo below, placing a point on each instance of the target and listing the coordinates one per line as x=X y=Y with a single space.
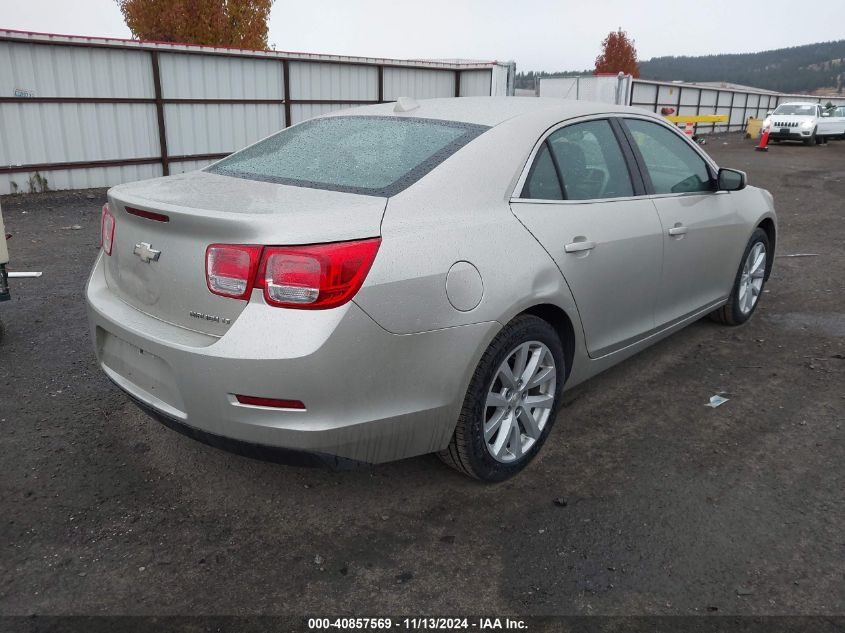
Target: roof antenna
x=405 y=104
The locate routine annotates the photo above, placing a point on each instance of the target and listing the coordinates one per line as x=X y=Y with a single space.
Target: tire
x=736 y=311
x=468 y=451
x=812 y=140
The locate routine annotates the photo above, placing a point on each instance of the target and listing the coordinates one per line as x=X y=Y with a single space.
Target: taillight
x=230 y=269
x=315 y=277
x=107 y=229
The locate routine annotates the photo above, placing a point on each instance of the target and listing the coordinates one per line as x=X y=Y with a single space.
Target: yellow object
x=754 y=127
x=698 y=118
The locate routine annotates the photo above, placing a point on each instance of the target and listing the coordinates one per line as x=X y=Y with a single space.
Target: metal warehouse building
x=92 y=112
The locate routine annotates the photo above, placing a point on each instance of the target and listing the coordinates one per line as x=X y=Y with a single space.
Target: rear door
x=581 y=200
x=703 y=234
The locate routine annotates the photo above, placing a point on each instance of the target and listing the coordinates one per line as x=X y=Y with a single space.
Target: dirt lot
x=670 y=507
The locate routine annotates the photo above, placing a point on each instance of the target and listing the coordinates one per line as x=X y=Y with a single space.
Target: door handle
x=678 y=230
x=577 y=247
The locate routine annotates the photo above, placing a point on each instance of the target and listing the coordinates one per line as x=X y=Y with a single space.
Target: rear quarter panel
x=460 y=213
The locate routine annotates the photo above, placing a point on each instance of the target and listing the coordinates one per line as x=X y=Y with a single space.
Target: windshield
x=373 y=155
x=799 y=109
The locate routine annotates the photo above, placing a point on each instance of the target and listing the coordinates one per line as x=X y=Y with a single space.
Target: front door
x=703 y=235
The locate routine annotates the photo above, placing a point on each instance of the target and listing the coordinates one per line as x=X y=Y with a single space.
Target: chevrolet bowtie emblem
x=146 y=252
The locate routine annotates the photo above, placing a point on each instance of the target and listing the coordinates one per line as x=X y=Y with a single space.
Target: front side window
x=672 y=165
x=371 y=155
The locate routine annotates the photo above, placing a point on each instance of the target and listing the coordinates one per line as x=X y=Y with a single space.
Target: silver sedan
x=424 y=277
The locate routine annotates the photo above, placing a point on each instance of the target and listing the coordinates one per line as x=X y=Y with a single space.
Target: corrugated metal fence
x=89 y=112
x=738 y=104
x=682 y=98
x=602 y=88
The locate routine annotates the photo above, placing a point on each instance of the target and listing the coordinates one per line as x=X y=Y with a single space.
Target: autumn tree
x=618 y=54
x=235 y=23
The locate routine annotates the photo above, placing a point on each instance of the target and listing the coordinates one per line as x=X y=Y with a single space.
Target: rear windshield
x=805 y=110
x=372 y=155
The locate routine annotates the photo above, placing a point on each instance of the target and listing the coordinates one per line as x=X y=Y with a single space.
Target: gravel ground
x=643 y=501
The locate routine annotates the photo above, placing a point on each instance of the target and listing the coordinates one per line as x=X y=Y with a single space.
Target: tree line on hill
x=792 y=70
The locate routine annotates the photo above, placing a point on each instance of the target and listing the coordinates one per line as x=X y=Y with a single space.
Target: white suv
x=799 y=121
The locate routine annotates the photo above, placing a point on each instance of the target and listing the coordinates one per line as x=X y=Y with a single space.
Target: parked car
x=395 y=280
x=807 y=122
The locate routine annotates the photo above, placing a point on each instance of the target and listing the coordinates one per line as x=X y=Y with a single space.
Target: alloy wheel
x=751 y=280
x=519 y=401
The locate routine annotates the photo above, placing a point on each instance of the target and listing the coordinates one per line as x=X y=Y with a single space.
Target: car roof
x=492 y=111
x=801 y=103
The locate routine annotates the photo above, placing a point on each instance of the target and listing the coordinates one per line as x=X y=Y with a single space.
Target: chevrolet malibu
x=410 y=278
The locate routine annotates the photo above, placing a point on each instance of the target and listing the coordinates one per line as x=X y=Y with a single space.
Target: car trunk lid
x=158 y=266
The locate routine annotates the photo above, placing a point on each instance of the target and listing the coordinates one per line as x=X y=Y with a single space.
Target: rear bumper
x=263 y=452
x=370 y=396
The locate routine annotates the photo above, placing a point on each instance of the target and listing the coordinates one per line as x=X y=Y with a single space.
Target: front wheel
x=749 y=282
x=811 y=140
x=511 y=402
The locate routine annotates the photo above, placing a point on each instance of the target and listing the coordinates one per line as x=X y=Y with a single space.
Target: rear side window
x=591 y=163
x=542 y=182
x=370 y=155
x=673 y=166
x=579 y=162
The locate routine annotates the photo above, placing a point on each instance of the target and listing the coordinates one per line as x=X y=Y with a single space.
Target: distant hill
x=797 y=69
x=813 y=68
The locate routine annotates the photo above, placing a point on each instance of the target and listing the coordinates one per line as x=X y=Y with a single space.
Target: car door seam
x=565 y=280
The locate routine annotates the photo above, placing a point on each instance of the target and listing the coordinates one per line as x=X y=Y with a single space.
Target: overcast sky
x=537 y=34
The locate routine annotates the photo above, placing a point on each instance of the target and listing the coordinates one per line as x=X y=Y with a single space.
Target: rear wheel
x=511 y=402
x=749 y=282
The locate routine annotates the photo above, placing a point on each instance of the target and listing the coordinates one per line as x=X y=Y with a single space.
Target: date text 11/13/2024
x=417 y=624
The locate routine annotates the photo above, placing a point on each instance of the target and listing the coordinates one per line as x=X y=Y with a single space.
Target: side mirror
x=826 y=113
x=731 y=179
x=769 y=113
